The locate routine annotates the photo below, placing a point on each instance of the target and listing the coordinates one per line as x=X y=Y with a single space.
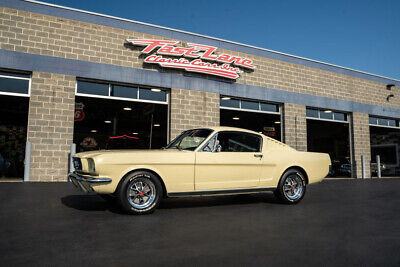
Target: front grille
x=77 y=164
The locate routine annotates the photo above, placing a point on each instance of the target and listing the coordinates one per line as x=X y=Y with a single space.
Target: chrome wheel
x=293 y=187
x=141 y=193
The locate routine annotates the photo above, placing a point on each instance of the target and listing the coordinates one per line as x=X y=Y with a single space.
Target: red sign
x=223 y=65
x=79 y=113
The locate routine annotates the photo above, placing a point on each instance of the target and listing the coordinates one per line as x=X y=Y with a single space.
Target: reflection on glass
x=124 y=91
x=373 y=120
x=392 y=123
x=190 y=140
x=313 y=113
x=269 y=107
x=326 y=115
x=11 y=85
x=118 y=124
x=92 y=88
x=340 y=116
x=385 y=142
x=250 y=105
x=231 y=103
x=148 y=94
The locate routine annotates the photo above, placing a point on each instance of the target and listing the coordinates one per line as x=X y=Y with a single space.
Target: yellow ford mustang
x=206 y=161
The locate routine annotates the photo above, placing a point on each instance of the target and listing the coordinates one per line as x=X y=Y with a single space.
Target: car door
x=231 y=160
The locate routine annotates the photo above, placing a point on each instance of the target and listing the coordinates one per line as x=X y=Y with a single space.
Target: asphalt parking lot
x=338 y=223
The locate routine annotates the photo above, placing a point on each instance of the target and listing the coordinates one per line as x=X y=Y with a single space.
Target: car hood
x=91 y=154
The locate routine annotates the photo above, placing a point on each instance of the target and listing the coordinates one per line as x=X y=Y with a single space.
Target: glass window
x=239 y=142
x=250 y=105
x=14 y=85
x=373 y=120
x=269 y=107
x=312 y=113
x=152 y=94
x=339 y=116
x=190 y=140
x=392 y=123
x=383 y=122
x=118 y=124
x=210 y=145
x=93 y=88
x=326 y=114
x=13 y=74
x=231 y=103
x=124 y=91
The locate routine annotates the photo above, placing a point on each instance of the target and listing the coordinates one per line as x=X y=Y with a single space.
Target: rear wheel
x=292 y=187
x=140 y=193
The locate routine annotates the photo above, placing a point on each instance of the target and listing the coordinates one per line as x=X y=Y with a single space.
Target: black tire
x=294 y=193
x=130 y=194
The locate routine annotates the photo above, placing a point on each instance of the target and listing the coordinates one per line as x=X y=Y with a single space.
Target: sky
x=358 y=34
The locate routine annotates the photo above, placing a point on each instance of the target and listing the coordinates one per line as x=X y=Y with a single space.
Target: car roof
x=225 y=128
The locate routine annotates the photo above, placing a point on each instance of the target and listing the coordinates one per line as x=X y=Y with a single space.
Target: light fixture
x=226 y=98
x=127 y=108
x=389 y=86
x=328 y=111
x=135 y=133
x=155 y=90
x=277 y=122
x=236 y=118
x=107 y=121
x=93 y=131
x=156 y=125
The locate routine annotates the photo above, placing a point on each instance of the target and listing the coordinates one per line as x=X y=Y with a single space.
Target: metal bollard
x=363 y=166
x=72 y=152
x=378 y=166
x=27 y=161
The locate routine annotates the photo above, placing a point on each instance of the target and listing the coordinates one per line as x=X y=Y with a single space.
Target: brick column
x=50 y=125
x=192 y=109
x=295 y=126
x=360 y=144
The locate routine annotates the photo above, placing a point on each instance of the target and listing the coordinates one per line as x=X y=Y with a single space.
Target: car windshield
x=190 y=140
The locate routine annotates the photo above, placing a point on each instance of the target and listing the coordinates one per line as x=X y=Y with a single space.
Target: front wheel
x=292 y=187
x=140 y=193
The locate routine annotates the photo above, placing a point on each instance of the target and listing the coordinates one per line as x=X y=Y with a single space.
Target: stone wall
x=50 y=125
x=295 y=126
x=361 y=144
x=192 y=109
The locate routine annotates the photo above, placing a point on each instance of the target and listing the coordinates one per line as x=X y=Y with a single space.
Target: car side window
x=210 y=145
x=239 y=142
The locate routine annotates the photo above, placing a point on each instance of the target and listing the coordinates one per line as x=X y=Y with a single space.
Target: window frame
x=259 y=110
x=230 y=131
x=319 y=111
x=109 y=96
x=29 y=79
x=397 y=121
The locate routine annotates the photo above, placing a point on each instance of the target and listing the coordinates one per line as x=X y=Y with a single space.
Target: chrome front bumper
x=85 y=183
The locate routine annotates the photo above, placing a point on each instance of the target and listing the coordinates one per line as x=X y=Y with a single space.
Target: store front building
x=73 y=81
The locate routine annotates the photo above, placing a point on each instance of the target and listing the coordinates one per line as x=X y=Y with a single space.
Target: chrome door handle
x=258 y=155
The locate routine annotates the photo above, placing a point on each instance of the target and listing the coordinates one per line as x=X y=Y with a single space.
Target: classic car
x=206 y=161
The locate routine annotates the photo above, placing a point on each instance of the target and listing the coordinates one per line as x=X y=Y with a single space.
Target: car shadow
x=90 y=203
x=210 y=201
x=97 y=203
